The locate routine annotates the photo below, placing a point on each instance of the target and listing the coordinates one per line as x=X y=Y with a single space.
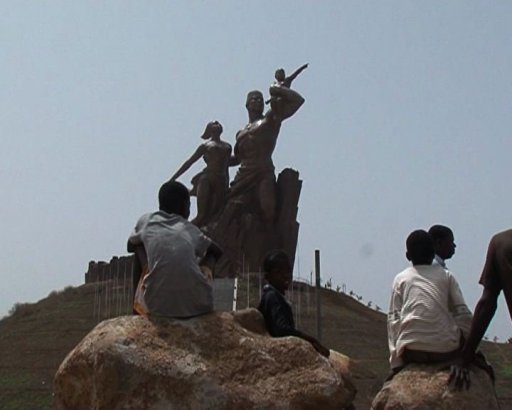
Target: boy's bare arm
x=484 y=312
x=316 y=344
x=140 y=260
x=213 y=253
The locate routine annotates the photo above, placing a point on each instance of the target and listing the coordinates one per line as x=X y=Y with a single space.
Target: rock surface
x=208 y=362
x=423 y=387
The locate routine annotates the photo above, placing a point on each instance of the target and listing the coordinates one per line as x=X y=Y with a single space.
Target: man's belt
x=420 y=356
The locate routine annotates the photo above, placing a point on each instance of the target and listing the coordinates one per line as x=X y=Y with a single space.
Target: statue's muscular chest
x=256 y=137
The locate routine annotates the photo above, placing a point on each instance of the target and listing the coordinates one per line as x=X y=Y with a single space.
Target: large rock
x=209 y=362
x=424 y=387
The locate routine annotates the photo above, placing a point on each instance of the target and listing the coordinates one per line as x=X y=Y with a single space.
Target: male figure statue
x=255 y=144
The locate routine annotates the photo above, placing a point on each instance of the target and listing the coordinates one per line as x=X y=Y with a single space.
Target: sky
x=406 y=124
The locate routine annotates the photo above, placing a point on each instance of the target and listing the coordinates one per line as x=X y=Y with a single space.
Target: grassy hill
x=36 y=337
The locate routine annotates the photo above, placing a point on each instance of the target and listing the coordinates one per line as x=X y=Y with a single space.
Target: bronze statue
x=283 y=81
x=210 y=186
x=255 y=144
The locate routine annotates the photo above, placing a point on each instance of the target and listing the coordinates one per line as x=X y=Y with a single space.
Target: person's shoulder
x=225 y=144
x=437 y=269
x=145 y=218
x=270 y=119
x=449 y=274
x=189 y=226
x=406 y=273
x=503 y=238
x=270 y=293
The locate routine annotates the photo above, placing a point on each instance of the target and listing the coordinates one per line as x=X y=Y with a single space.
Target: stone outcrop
x=217 y=361
x=424 y=387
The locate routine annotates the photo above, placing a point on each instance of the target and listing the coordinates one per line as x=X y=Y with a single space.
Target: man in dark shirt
x=275 y=309
x=496 y=276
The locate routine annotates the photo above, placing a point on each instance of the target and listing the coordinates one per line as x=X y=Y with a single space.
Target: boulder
x=207 y=362
x=424 y=386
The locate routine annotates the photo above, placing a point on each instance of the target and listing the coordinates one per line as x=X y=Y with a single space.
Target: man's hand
x=459 y=375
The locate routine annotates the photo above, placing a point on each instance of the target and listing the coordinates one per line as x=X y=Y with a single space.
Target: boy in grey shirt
x=175 y=285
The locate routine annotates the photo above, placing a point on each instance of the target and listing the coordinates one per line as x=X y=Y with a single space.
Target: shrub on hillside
x=21 y=309
x=62 y=291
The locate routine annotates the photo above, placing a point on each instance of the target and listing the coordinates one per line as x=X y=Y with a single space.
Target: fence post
x=318 y=289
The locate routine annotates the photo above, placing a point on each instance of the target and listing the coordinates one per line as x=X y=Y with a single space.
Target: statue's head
x=213 y=130
x=255 y=101
x=280 y=75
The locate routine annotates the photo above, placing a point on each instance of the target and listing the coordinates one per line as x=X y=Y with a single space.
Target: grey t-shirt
x=175 y=285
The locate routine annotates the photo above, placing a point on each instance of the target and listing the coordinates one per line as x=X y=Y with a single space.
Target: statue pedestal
x=243 y=235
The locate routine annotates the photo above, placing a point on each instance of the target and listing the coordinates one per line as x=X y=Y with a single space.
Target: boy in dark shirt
x=275 y=309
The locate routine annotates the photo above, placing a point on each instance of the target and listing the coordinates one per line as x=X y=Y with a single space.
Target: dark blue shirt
x=277 y=313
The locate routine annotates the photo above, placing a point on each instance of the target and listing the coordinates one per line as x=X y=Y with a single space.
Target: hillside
x=36 y=337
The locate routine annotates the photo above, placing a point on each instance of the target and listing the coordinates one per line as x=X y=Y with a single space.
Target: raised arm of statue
x=189 y=162
x=288 y=81
x=284 y=102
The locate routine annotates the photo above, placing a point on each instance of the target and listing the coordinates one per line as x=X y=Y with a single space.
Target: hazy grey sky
x=406 y=123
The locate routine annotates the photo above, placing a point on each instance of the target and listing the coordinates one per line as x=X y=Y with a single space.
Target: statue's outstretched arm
x=188 y=163
x=284 y=102
x=296 y=73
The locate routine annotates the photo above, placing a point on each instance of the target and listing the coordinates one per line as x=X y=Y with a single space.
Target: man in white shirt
x=427 y=313
x=444 y=244
x=175 y=285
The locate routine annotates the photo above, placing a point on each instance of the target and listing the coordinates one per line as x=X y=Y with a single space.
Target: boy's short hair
x=173 y=197
x=276 y=259
x=420 y=247
x=440 y=232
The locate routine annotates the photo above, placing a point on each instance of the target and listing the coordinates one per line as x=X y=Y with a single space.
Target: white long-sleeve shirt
x=427 y=312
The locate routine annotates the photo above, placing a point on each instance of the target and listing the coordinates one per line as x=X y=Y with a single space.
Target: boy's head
x=174 y=198
x=420 y=248
x=280 y=75
x=444 y=242
x=278 y=270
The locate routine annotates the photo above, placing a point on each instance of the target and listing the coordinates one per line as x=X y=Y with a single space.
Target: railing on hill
x=113 y=291
x=113 y=295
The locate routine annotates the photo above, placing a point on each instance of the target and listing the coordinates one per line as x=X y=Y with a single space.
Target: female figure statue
x=210 y=186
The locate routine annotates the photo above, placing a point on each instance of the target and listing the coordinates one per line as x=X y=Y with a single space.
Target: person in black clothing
x=275 y=309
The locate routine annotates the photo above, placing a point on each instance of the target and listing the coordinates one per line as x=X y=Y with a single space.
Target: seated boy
x=427 y=314
x=275 y=309
x=175 y=285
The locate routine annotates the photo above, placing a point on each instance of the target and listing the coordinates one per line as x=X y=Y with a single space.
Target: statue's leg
x=203 y=197
x=267 y=194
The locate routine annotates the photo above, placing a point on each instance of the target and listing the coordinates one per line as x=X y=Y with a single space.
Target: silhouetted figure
x=276 y=310
x=444 y=244
x=180 y=258
x=427 y=312
x=211 y=184
x=255 y=143
x=282 y=81
x=496 y=276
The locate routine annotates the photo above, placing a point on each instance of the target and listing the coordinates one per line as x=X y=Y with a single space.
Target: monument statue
x=250 y=224
x=255 y=144
x=283 y=81
x=210 y=186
